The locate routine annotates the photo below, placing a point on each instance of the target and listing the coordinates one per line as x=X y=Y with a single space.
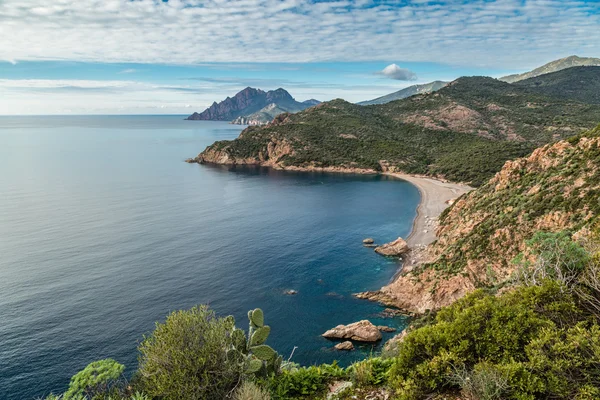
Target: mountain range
x=253 y=106
x=554 y=66
x=406 y=92
x=480 y=119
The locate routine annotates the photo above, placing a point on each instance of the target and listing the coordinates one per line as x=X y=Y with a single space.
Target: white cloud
x=127 y=71
x=503 y=33
x=393 y=71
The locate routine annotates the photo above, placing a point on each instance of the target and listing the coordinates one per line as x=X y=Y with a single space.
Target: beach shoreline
x=436 y=196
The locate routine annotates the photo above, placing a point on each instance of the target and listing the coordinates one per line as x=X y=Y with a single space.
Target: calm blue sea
x=105 y=230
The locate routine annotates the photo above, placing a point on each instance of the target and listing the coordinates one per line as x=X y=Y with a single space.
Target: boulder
x=361 y=331
x=383 y=328
x=347 y=345
x=290 y=292
x=393 y=249
x=368 y=241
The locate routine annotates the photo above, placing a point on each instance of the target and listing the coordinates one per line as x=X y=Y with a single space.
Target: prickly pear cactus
x=258 y=354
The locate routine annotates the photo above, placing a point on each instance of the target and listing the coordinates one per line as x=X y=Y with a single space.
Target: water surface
x=104 y=230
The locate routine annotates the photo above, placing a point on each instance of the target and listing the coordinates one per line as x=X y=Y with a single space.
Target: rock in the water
x=191 y=160
x=347 y=345
x=372 y=245
x=393 y=249
x=368 y=241
x=384 y=328
x=291 y=292
x=361 y=331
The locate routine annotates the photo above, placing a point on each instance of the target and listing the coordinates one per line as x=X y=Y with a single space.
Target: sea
x=105 y=230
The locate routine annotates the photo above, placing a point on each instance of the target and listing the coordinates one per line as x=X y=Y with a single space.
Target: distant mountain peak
x=406 y=92
x=554 y=66
x=251 y=104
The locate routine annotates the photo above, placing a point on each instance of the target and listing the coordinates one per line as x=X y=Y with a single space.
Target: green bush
x=186 y=357
x=304 y=382
x=535 y=339
x=95 y=379
x=249 y=390
x=370 y=372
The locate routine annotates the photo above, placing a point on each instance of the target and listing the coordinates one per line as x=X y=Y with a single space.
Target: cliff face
x=247 y=102
x=556 y=188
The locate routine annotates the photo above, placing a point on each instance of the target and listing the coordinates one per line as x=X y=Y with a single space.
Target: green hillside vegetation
x=478 y=119
x=577 y=83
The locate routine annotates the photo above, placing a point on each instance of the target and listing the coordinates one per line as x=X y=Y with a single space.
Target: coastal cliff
x=556 y=188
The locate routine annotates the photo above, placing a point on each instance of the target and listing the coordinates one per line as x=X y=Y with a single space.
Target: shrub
x=535 y=338
x=370 y=372
x=186 y=357
x=249 y=390
x=95 y=379
x=304 y=382
x=556 y=256
x=485 y=382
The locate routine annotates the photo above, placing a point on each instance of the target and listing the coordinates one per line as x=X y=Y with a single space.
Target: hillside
x=406 y=92
x=553 y=66
x=268 y=113
x=556 y=188
x=479 y=119
x=247 y=102
x=576 y=83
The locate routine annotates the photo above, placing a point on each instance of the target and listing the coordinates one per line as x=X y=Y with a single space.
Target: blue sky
x=152 y=56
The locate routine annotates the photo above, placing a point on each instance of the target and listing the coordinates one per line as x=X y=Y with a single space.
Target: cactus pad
x=263 y=352
x=260 y=336
x=257 y=318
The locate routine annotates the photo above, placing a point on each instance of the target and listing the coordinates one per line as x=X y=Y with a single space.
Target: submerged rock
x=361 y=331
x=291 y=292
x=370 y=245
x=393 y=249
x=347 y=345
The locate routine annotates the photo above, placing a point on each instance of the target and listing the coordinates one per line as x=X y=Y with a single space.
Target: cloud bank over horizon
x=503 y=33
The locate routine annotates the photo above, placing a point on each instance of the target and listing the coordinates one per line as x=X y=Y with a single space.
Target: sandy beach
x=435 y=197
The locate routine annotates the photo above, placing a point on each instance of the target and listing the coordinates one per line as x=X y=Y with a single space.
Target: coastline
x=436 y=196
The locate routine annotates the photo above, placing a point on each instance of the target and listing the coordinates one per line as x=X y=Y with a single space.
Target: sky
x=178 y=56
